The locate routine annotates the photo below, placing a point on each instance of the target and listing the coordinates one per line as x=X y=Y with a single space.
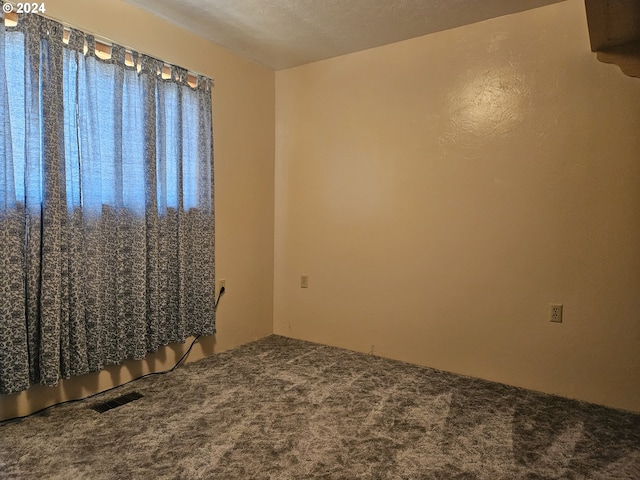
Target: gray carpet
x=285 y=409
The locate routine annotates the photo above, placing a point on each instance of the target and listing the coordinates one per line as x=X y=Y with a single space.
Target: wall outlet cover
x=555 y=312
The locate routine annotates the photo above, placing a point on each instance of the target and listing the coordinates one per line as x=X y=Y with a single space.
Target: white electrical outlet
x=555 y=312
x=222 y=283
x=304 y=281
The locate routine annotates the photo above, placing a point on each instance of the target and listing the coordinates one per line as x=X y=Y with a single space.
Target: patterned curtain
x=106 y=206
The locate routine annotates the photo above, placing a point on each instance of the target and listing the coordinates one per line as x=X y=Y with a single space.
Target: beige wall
x=442 y=191
x=243 y=109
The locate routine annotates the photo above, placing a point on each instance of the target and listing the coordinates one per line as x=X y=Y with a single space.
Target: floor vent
x=116 y=402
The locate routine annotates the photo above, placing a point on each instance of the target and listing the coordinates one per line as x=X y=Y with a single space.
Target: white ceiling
x=284 y=33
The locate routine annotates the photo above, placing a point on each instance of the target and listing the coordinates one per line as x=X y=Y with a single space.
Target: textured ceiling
x=285 y=33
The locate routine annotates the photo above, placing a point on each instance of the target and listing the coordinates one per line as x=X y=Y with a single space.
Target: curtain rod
x=99 y=38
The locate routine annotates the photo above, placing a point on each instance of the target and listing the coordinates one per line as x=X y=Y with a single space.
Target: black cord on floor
x=150 y=374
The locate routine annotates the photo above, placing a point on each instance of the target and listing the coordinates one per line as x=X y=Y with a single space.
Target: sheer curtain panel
x=106 y=205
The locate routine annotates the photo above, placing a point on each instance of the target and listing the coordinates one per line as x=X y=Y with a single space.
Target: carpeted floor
x=285 y=409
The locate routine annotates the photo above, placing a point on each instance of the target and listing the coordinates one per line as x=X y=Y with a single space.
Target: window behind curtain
x=89 y=100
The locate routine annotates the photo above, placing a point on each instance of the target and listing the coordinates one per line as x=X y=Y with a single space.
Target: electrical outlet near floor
x=222 y=283
x=555 y=312
x=304 y=281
